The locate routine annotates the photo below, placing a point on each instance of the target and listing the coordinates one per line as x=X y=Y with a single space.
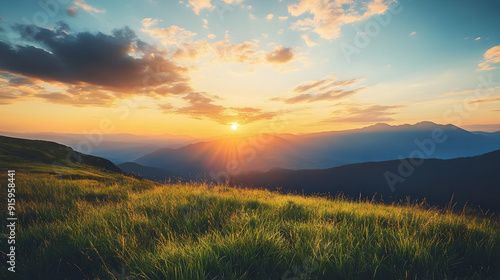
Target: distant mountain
x=380 y=142
x=119 y=147
x=475 y=180
x=231 y=155
x=37 y=154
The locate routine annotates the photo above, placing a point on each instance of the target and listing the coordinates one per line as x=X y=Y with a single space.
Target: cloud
x=198 y=5
x=326 y=89
x=283 y=18
x=115 y=65
x=328 y=16
x=308 y=41
x=280 y=55
x=148 y=22
x=71 y=11
x=363 y=114
x=413 y=33
x=224 y=51
x=171 y=35
x=14 y=88
x=483 y=127
x=200 y=106
x=470 y=91
x=251 y=16
x=269 y=16
x=330 y=80
x=86 y=7
x=491 y=56
x=80 y=96
x=211 y=36
x=477 y=39
x=324 y=96
x=175 y=89
x=488 y=100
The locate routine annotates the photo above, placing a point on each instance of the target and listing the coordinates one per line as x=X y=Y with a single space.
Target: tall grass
x=125 y=228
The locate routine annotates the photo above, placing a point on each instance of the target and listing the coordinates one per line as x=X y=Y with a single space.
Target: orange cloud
x=86 y=7
x=171 y=35
x=491 y=56
x=308 y=41
x=198 y=5
x=329 y=16
x=201 y=106
x=356 y=113
x=320 y=90
x=280 y=55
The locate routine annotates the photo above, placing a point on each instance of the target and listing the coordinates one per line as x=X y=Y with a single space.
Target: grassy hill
x=112 y=226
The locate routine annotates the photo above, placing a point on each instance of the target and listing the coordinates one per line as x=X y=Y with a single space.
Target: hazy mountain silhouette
x=475 y=180
x=151 y=173
x=119 y=147
x=378 y=142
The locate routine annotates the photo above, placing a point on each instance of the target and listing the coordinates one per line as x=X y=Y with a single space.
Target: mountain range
x=231 y=156
x=473 y=180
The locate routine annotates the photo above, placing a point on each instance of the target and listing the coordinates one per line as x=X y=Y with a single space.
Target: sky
x=205 y=67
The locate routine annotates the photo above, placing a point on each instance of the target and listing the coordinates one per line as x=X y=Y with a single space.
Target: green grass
x=117 y=227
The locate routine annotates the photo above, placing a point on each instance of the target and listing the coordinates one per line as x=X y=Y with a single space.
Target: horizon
x=239 y=67
x=191 y=138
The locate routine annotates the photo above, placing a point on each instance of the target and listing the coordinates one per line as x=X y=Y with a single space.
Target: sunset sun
x=234 y=126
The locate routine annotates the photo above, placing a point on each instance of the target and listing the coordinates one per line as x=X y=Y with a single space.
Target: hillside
x=475 y=180
x=38 y=155
x=75 y=229
x=108 y=225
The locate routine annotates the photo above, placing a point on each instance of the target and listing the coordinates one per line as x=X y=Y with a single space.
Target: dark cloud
x=17 y=81
x=201 y=106
x=118 y=61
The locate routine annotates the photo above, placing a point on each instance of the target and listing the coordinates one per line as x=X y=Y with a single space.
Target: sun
x=234 y=126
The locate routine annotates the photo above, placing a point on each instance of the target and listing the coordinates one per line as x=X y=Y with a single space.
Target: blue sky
x=244 y=61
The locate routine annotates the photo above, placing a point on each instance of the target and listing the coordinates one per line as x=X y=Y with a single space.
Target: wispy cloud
x=488 y=100
x=86 y=7
x=326 y=89
x=491 y=56
x=202 y=106
x=356 y=113
x=308 y=41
